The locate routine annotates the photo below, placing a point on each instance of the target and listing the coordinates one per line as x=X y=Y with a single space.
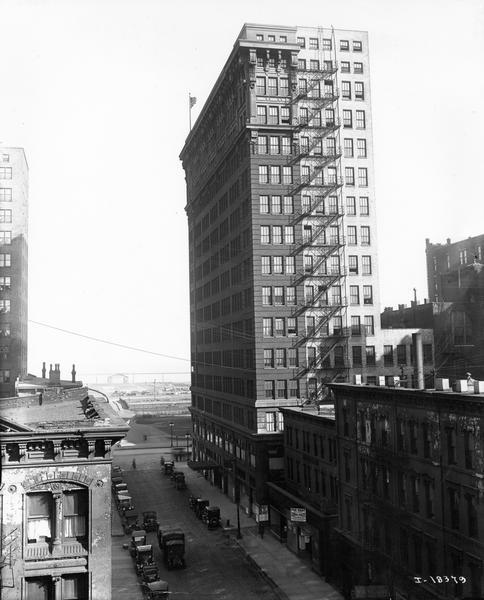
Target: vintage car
x=172 y=543
x=158 y=590
x=179 y=480
x=212 y=517
x=138 y=538
x=124 y=503
x=150 y=573
x=200 y=506
x=143 y=557
x=150 y=520
x=168 y=467
x=130 y=521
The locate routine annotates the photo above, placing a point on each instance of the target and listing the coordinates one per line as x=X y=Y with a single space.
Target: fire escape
x=321 y=274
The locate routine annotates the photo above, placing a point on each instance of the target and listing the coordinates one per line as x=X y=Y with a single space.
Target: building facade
x=282 y=242
x=13 y=267
x=411 y=499
x=55 y=495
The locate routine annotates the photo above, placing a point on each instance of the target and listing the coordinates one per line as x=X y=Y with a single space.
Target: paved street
x=216 y=568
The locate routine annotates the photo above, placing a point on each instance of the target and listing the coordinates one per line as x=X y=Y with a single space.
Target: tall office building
x=282 y=236
x=13 y=267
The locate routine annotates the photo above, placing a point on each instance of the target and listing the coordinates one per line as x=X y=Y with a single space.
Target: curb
x=262 y=572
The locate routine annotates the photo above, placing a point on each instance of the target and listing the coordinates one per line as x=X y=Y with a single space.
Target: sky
x=96 y=91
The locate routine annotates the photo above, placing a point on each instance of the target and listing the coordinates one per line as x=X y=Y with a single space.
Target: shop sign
x=298 y=515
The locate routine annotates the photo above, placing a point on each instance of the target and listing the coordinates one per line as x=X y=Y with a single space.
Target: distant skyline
x=97 y=94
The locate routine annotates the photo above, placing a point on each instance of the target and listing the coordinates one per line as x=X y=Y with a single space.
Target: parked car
x=212 y=518
x=143 y=557
x=138 y=538
x=172 y=544
x=150 y=573
x=130 y=521
x=158 y=590
x=200 y=507
x=150 y=520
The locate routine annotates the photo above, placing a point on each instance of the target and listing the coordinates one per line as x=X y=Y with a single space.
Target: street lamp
x=171 y=433
x=237 y=498
x=187 y=437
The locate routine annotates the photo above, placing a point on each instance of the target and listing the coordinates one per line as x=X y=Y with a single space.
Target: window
x=362 y=176
x=269 y=393
x=364 y=206
x=272 y=86
x=264 y=204
x=366 y=265
x=4 y=329
x=289 y=234
x=266 y=295
x=367 y=294
x=292 y=357
x=263 y=174
x=291 y=326
x=355 y=325
x=357 y=46
x=314 y=65
x=267 y=327
x=290 y=295
x=349 y=176
x=301 y=64
x=284 y=86
x=6 y=157
x=344 y=45
x=290 y=265
x=327 y=44
x=370 y=355
x=369 y=325
x=361 y=145
x=354 y=295
x=5 y=260
x=313 y=43
x=4 y=374
x=5 y=172
x=365 y=235
x=5 y=216
x=303 y=115
x=279 y=327
x=275 y=174
x=259 y=37
x=288 y=205
x=39 y=517
x=5 y=283
x=357 y=67
x=287 y=175
x=262 y=114
x=266 y=265
x=388 y=356
x=283 y=38
x=353 y=265
x=401 y=354
x=268 y=358
x=265 y=234
x=332 y=205
x=359 y=90
x=346 y=90
x=351 y=205
x=285 y=115
x=301 y=41
x=5 y=237
x=357 y=356
x=286 y=145
x=329 y=117
x=273 y=115
x=345 y=67
x=5 y=194
x=4 y=306
x=351 y=235
x=277 y=234
x=427 y=354
x=360 y=119
x=276 y=205
x=278 y=295
x=262 y=144
x=275 y=145
x=277 y=265
x=260 y=86
x=281 y=387
x=74 y=514
x=348 y=119
x=348 y=148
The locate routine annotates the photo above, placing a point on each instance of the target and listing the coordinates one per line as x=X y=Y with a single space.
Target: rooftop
x=56 y=411
x=322 y=410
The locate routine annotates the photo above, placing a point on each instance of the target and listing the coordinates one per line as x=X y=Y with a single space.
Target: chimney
x=73 y=373
x=418 y=353
x=448 y=240
x=43 y=370
x=51 y=372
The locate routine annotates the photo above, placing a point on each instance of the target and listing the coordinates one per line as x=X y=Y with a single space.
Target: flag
x=193 y=101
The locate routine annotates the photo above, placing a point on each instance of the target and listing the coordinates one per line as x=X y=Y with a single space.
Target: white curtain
x=38 y=527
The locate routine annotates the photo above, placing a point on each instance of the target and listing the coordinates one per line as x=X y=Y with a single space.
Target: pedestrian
x=133 y=464
x=261 y=529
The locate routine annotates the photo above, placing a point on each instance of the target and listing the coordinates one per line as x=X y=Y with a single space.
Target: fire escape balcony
x=313 y=152
x=325 y=70
x=329 y=244
x=323 y=187
x=313 y=122
x=320 y=363
x=325 y=279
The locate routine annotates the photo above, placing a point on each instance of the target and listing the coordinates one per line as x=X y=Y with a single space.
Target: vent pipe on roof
x=43 y=370
x=73 y=373
x=418 y=354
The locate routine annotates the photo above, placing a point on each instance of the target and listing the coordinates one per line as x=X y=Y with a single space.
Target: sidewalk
x=291 y=578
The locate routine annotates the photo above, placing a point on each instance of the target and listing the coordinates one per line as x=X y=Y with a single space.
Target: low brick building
x=310 y=483
x=411 y=498
x=55 y=495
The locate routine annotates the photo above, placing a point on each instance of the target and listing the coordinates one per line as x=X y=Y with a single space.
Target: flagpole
x=190 y=111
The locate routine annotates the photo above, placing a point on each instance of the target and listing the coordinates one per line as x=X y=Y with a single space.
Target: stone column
x=57 y=581
x=57 y=541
